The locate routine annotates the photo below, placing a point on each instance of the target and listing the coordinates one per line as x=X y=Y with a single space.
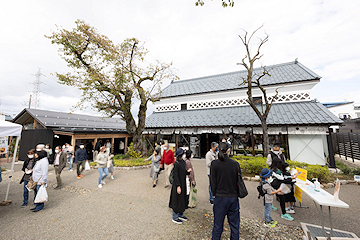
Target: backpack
x=260 y=189
x=171 y=176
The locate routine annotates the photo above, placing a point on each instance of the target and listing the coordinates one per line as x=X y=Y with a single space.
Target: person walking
x=108 y=147
x=80 y=159
x=178 y=190
x=40 y=175
x=190 y=179
x=155 y=165
x=122 y=147
x=101 y=161
x=98 y=145
x=70 y=156
x=167 y=162
x=210 y=156
x=27 y=168
x=224 y=185
x=110 y=165
x=275 y=154
x=59 y=165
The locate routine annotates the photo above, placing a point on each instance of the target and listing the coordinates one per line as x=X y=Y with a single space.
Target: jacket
x=101 y=160
x=178 y=202
x=40 y=171
x=28 y=164
x=272 y=155
x=80 y=155
x=167 y=157
x=62 y=160
x=210 y=156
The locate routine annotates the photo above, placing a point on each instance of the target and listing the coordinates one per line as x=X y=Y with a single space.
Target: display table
x=323 y=198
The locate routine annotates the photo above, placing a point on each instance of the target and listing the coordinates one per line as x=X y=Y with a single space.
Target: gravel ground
x=129 y=208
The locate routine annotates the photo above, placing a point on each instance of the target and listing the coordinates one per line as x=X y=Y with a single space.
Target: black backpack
x=260 y=189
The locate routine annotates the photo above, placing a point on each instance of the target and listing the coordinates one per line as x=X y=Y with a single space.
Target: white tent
x=10 y=129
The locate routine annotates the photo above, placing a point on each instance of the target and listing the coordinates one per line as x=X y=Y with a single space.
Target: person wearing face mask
x=275 y=154
x=101 y=160
x=27 y=168
x=269 y=191
x=40 y=175
x=190 y=179
x=59 y=165
x=289 y=198
x=210 y=156
x=48 y=150
x=167 y=162
x=155 y=165
x=80 y=159
x=70 y=156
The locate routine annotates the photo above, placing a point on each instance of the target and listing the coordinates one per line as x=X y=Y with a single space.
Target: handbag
x=193 y=197
x=32 y=184
x=241 y=186
x=41 y=195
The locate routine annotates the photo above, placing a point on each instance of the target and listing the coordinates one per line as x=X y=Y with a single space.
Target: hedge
x=253 y=165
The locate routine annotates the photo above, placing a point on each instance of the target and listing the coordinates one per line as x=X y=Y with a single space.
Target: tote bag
x=193 y=197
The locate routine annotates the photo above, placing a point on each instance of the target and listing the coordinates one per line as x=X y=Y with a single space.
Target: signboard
x=298 y=193
x=3 y=145
x=303 y=174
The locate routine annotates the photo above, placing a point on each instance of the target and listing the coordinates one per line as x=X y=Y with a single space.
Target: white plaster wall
x=240 y=93
x=308 y=148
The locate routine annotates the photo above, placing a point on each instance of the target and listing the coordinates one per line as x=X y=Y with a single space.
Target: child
x=268 y=198
x=289 y=198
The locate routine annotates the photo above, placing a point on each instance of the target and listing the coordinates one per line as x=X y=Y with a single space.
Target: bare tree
x=253 y=80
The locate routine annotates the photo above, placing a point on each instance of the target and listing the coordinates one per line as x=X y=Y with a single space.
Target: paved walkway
x=129 y=208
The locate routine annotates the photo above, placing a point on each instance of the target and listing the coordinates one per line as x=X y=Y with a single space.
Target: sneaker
x=273 y=222
x=112 y=177
x=292 y=208
x=273 y=208
x=103 y=182
x=78 y=177
x=167 y=186
x=269 y=224
x=178 y=221
x=183 y=218
x=99 y=186
x=211 y=202
x=154 y=185
x=289 y=210
x=24 y=205
x=286 y=216
x=81 y=175
x=70 y=170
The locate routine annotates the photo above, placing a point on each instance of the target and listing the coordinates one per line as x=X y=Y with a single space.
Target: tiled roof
x=296 y=113
x=62 y=121
x=280 y=73
x=334 y=104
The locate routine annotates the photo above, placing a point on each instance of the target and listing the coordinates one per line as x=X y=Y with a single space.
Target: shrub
x=251 y=165
x=121 y=156
x=131 y=162
x=319 y=172
x=294 y=164
x=132 y=152
x=356 y=171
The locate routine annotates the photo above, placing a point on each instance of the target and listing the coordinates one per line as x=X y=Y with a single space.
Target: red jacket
x=168 y=157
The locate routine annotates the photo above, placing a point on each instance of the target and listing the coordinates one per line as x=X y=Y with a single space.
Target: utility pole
x=30 y=102
x=36 y=90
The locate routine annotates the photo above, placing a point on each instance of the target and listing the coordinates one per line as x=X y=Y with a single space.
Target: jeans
x=26 y=193
x=38 y=206
x=226 y=206
x=267 y=212
x=101 y=177
x=210 y=192
x=70 y=161
x=176 y=216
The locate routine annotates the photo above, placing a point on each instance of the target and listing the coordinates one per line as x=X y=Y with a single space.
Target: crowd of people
x=222 y=171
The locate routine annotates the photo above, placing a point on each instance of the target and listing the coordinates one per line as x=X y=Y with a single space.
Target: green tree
x=111 y=76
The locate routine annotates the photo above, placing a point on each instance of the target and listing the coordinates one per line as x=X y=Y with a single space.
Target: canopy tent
x=10 y=129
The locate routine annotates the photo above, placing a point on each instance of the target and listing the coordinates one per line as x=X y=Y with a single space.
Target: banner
x=3 y=145
x=298 y=193
x=303 y=174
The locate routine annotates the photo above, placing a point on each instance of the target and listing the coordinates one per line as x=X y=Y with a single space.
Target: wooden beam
x=112 y=145
x=35 y=122
x=73 y=139
x=126 y=142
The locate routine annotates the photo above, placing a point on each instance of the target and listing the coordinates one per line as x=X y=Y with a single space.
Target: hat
x=265 y=173
x=179 y=152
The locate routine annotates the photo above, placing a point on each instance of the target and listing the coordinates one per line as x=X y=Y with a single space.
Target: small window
x=183 y=107
x=257 y=100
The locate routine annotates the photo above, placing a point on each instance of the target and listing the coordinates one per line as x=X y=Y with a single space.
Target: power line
x=35 y=99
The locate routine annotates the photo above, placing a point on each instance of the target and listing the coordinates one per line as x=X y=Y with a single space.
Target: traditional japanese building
x=195 y=112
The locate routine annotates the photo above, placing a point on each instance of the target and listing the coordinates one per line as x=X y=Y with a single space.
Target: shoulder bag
x=32 y=184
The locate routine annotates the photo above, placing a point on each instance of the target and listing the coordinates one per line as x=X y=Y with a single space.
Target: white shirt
x=41 y=170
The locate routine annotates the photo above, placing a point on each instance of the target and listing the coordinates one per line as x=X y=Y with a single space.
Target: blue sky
x=323 y=35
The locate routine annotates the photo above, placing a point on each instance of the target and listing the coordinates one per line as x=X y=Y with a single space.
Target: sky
x=199 y=41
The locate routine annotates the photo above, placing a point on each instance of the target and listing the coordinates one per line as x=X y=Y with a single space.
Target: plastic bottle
x=317 y=185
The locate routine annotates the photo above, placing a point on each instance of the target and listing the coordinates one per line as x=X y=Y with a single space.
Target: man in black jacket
x=80 y=159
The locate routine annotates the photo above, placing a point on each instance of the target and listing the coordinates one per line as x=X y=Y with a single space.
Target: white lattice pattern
x=167 y=108
x=219 y=103
x=291 y=97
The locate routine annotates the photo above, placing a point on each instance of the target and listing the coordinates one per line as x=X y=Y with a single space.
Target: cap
x=265 y=173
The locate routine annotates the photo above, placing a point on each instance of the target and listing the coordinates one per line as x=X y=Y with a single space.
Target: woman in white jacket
x=101 y=160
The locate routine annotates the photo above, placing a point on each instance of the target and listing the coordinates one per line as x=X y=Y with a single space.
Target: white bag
x=87 y=166
x=41 y=195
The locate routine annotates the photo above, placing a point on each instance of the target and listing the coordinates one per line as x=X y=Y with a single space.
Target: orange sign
x=298 y=193
x=302 y=175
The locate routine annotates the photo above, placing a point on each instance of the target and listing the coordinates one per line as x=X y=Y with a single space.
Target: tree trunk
x=265 y=137
x=140 y=143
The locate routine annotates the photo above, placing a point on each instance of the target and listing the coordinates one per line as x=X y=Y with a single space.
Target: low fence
x=347 y=144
